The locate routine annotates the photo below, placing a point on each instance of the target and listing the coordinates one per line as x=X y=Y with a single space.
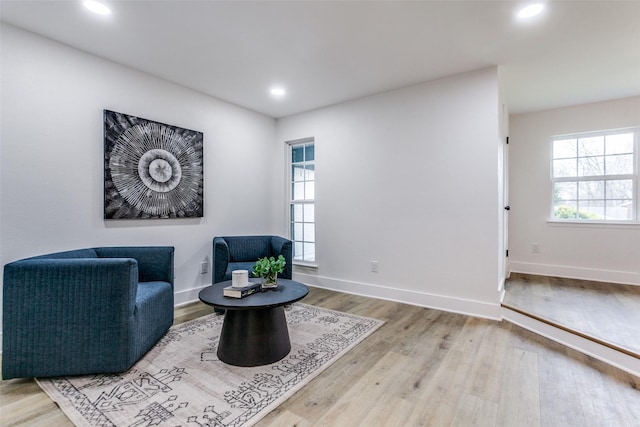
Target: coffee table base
x=254 y=337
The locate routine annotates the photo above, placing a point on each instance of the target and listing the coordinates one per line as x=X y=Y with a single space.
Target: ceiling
x=325 y=52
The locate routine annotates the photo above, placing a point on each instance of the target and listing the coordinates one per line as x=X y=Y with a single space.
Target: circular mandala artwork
x=159 y=170
x=152 y=170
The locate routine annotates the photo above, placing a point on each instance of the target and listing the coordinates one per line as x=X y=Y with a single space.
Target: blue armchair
x=242 y=252
x=86 y=311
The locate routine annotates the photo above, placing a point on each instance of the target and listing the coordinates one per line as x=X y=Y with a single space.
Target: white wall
x=594 y=252
x=409 y=178
x=52 y=158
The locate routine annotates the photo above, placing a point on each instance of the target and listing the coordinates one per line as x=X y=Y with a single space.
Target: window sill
x=593 y=224
x=305 y=264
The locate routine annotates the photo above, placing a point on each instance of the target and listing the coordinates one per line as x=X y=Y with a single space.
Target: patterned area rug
x=181 y=382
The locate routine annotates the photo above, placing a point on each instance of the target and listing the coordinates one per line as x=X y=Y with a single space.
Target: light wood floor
x=607 y=312
x=424 y=368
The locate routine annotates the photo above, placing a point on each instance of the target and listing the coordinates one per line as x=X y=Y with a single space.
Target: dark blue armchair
x=86 y=311
x=242 y=252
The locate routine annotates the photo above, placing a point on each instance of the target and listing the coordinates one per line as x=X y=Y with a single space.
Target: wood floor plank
x=475 y=411
x=520 y=384
x=598 y=394
x=558 y=405
x=32 y=410
x=605 y=311
x=490 y=351
x=626 y=393
x=423 y=367
x=289 y=419
x=377 y=384
x=390 y=411
x=441 y=393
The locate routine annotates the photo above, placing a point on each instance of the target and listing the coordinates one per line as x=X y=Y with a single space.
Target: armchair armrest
x=35 y=287
x=282 y=246
x=220 y=259
x=155 y=263
x=53 y=309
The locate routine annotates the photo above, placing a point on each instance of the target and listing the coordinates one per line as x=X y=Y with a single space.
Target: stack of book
x=234 y=292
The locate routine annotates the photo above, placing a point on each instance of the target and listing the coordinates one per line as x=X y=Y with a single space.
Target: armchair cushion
x=85 y=311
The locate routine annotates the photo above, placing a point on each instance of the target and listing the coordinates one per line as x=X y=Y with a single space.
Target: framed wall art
x=151 y=169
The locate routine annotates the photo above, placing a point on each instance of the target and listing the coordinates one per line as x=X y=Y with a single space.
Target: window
x=594 y=176
x=302 y=201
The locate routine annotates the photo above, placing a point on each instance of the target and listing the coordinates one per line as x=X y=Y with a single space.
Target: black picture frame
x=151 y=169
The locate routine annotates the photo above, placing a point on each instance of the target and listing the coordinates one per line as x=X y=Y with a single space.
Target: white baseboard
x=502 y=293
x=187 y=296
x=421 y=299
x=582 y=273
x=598 y=351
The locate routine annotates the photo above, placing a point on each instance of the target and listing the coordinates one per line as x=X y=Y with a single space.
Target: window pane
x=591 y=210
x=565 y=168
x=298 y=191
x=297 y=172
x=310 y=172
x=591 y=190
x=309 y=232
x=619 y=144
x=565 y=191
x=621 y=164
x=309 y=153
x=309 y=213
x=565 y=148
x=310 y=190
x=310 y=251
x=297 y=154
x=591 y=166
x=581 y=166
x=565 y=210
x=302 y=211
x=619 y=209
x=591 y=146
x=296 y=213
x=620 y=189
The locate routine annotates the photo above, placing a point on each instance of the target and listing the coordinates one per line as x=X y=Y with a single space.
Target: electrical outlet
x=203 y=267
x=535 y=248
x=374 y=266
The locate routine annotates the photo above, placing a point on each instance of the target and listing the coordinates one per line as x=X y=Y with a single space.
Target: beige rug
x=181 y=382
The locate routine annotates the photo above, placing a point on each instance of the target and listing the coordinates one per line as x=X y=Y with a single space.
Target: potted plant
x=268 y=268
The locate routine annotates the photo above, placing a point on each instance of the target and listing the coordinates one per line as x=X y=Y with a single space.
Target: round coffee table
x=254 y=331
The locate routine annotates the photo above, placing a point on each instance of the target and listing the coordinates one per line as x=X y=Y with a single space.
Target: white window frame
x=584 y=178
x=305 y=201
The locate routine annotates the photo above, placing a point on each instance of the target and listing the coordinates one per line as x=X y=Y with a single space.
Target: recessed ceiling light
x=278 y=91
x=530 y=11
x=97 y=7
